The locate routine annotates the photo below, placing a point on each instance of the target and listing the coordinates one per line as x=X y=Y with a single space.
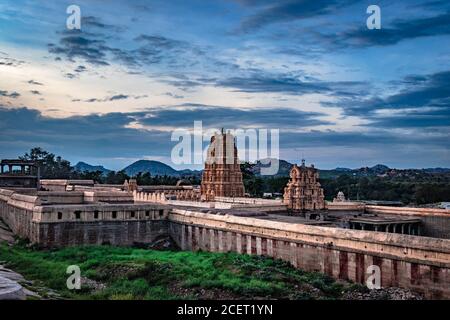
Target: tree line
x=409 y=189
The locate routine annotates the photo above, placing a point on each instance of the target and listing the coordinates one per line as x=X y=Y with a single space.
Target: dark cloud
x=79 y=46
x=156 y=49
x=80 y=69
x=70 y=75
x=82 y=136
x=434 y=4
x=149 y=49
x=115 y=97
x=288 y=10
x=6 y=60
x=264 y=82
x=398 y=31
x=414 y=119
x=219 y=116
x=260 y=83
x=175 y=96
x=424 y=101
x=35 y=92
x=374 y=139
x=94 y=22
x=118 y=97
x=426 y=91
x=36 y=83
x=7 y=94
x=109 y=135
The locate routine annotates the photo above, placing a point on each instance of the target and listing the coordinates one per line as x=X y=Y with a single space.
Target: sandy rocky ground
x=14 y=286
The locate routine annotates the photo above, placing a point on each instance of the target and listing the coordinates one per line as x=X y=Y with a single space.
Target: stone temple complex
x=303 y=191
x=411 y=246
x=222 y=175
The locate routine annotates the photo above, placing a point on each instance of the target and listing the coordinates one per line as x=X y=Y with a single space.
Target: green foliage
x=51 y=166
x=424 y=189
x=408 y=186
x=129 y=273
x=116 y=177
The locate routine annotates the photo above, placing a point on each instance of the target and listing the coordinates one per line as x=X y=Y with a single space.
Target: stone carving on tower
x=303 y=191
x=222 y=175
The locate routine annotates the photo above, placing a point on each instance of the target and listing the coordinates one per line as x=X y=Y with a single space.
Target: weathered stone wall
x=344 y=206
x=119 y=233
x=79 y=224
x=16 y=210
x=419 y=263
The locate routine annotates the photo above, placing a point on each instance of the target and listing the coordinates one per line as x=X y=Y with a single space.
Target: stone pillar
x=249 y=244
x=270 y=247
x=183 y=237
x=258 y=246
x=212 y=240
x=229 y=244
x=239 y=243
x=293 y=254
x=221 y=247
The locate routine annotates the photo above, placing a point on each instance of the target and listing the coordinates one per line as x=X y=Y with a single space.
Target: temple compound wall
x=75 y=223
x=419 y=263
x=53 y=219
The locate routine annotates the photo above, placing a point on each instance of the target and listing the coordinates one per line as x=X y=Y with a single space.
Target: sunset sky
x=341 y=95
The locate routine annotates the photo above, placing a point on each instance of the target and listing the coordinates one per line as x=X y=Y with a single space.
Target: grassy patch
x=129 y=273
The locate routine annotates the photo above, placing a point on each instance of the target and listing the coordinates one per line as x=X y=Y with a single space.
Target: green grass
x=129 y=273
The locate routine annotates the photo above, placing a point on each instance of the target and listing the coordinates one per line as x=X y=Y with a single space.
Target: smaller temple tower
x=303 y=191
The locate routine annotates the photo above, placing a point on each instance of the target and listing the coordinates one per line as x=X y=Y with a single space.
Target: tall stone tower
x=303 y=191
x=222 y=175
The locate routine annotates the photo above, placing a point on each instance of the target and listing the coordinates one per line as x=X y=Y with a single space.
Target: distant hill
x=437 y=170
x=284 y=167
x=376 y=170
x=155 y=168
x=85 y=167
x=188 y=172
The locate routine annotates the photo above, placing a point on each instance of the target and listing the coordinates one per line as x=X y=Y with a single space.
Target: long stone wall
x=418 y=263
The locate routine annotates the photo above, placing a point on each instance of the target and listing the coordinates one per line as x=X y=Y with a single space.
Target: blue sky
x=341 y=95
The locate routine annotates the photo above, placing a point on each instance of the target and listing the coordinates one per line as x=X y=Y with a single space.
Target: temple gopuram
x=222 y=175
x=303 y=191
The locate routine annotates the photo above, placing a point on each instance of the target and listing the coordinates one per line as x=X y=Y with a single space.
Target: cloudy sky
x=340 y=94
